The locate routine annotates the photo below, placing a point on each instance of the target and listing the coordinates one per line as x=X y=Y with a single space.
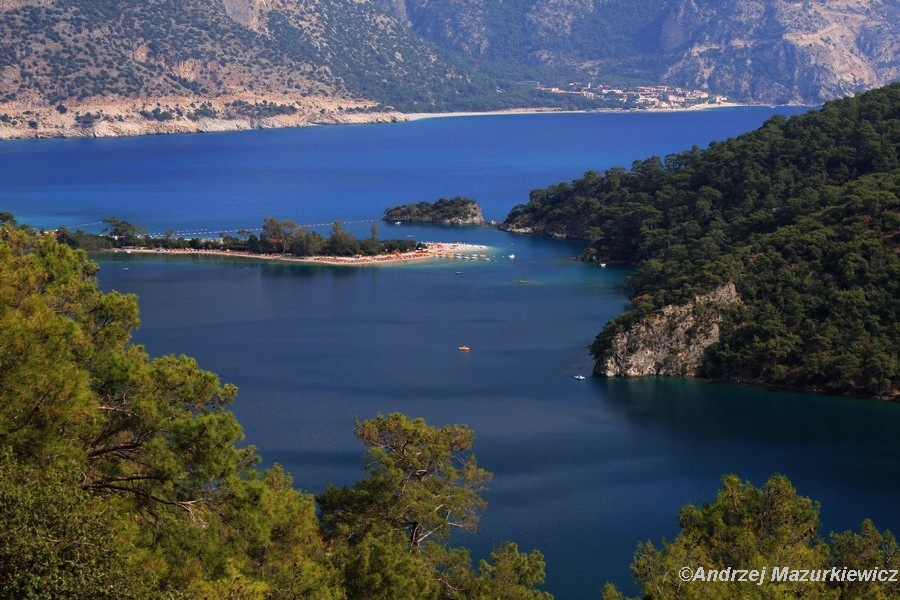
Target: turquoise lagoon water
x=583 y=469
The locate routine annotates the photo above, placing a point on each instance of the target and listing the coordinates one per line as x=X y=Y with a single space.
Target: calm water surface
x=583 y=469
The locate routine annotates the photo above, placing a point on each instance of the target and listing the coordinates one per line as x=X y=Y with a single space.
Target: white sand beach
x=430 y=250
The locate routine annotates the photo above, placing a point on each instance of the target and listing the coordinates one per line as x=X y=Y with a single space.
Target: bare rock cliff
x=671 y=341
x=782 y=50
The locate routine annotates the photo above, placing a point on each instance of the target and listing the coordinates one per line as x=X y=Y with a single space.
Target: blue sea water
x=347 y=172
x=583 y=470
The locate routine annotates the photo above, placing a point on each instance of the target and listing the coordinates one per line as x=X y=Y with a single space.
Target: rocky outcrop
x=782 y=51
x=456 y=24
x=458 y=211
x=515 y=228
x=670 y=342
x=521 y=220
x=553 y=18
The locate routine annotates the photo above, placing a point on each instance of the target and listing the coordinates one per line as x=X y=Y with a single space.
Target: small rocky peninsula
x=456 y=211
x=671 y=341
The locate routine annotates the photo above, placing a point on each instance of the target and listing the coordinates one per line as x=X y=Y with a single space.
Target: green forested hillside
x=802 y=215
x=123 y=476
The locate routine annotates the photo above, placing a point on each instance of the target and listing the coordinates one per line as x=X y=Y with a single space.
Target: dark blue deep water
x=583 y=470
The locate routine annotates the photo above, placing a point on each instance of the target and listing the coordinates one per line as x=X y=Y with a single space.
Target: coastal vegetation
x=125 y=476
x=801 y=215
x=776 y=533
x=455 y=211
x=284 y=237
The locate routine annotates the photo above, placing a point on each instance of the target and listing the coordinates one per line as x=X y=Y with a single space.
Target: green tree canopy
x=108 y=443
x=122 y=475
x=751 y=528
x=423 y=481
x=123 y=231
x=801 y=215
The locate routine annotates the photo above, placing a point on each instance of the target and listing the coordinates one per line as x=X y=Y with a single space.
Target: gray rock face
x=782 y=51
x=772 y=51
x=670 y=342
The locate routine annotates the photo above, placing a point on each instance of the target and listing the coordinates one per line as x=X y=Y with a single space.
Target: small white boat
x=397 y=222
x=579 y=377
x=511 y=256
x=602 y=265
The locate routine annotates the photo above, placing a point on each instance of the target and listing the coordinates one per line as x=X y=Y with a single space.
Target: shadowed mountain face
x=753 y=50
x=780 y=51
x=440 y=54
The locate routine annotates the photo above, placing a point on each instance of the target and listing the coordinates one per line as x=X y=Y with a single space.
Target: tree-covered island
x=455 y=211
x=770 y=258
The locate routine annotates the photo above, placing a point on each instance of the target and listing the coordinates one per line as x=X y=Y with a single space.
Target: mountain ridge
x=768 y=51
x=337 y=61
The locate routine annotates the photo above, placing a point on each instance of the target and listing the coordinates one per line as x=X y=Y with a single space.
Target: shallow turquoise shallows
x=583 y=469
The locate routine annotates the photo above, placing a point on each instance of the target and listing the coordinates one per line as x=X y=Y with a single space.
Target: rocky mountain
x=782 y=51
x=96 y=67
x=171 y=65
x=772 y=51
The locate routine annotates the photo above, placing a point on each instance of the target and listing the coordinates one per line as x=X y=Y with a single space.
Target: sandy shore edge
x=554 y=111
x=430 y=250
x=123 y=118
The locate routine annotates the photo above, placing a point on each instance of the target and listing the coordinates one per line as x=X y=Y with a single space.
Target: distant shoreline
x=554 y=111
x=124 y=118
x=431 y=250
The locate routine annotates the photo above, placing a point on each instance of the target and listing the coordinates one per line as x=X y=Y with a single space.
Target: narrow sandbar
x=429 y=250
x=555 y=111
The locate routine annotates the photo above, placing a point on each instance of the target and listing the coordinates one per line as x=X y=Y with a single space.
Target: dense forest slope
x=775 y=51
x=801 y=215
